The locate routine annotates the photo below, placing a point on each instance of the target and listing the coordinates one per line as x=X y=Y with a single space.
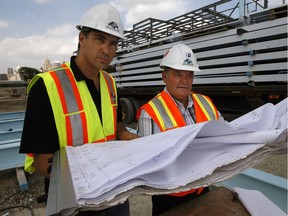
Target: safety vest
x=75 y=114
x=165 y=113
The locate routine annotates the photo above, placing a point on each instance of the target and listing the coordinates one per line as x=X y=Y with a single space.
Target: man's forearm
x=43 y=164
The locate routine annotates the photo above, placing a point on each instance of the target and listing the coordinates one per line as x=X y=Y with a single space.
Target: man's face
x=98 y=48
x=178 y=83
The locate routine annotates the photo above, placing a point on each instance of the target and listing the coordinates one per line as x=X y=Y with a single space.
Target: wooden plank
x=21 y=179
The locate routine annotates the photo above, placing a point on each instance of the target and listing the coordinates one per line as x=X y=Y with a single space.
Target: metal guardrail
x=11 y=124
x=11 y=115
x=9 y=155
x=273 y=187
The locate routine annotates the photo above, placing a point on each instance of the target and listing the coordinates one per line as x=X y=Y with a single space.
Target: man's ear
x=81 y=38
x=164 y=75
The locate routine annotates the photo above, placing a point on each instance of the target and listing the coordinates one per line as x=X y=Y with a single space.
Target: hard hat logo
x=113 y=26
x=188 y=62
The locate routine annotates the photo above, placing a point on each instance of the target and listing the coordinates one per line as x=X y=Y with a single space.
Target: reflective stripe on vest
x=109 y=88
x=165 y=112
x=77 y=120
x=203 y=105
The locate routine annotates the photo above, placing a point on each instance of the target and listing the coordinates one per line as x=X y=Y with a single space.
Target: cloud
x=58 y=44
x=3 y=24
x=136 y=11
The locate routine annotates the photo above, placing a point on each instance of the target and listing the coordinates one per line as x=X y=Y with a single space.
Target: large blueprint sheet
x=188 y=157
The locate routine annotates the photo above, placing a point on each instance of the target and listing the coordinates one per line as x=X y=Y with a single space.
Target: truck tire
x=135 y=104
x=128 y=112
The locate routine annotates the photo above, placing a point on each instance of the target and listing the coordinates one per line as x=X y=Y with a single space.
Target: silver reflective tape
x=71 y=101
x=167 y=121
x=207 y=106
x=77 y=129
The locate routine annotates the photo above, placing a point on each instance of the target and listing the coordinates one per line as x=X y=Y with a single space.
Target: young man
x=176 y=106
x=77 y=103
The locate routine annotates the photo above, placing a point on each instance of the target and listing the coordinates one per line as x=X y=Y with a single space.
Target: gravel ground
x=14 y=202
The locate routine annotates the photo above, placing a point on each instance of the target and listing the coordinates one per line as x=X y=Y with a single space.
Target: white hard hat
x=103 y=17
x=180 y=57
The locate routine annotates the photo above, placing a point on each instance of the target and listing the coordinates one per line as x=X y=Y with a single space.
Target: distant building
x=13 y=75
x=56 y=64
x=47 y=65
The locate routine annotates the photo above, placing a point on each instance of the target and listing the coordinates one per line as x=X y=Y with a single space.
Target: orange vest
x=165 y=113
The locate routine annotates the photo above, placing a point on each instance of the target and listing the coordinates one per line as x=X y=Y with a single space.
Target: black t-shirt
x=39 y=133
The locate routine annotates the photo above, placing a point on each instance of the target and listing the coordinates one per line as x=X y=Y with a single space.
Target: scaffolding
x=210 y=16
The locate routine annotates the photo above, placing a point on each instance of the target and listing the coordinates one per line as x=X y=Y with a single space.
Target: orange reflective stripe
x=115 y=120
x=184 y=193
x=109 y=83
x=111 y=137
x=199 y=191
x=68 y=131
x=108 y=138
x=100 y=140
x=84 y=126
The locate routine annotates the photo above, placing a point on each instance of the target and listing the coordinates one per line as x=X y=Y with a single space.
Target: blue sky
x=32 y=30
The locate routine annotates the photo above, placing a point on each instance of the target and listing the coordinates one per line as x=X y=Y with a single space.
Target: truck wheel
x=128 y=112
x=136 y=106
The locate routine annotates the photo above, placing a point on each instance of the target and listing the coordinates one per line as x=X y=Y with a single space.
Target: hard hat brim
x=182 y=67
x=108 y=31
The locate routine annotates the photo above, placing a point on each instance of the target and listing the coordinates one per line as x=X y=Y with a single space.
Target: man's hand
x=123 y=134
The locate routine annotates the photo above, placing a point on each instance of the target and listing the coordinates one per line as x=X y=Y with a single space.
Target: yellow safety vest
x=75 y=114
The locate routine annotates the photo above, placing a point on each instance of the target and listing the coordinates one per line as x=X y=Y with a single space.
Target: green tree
x=27 y=73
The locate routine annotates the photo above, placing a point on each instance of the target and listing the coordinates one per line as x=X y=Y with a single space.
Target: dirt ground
x=14 y=202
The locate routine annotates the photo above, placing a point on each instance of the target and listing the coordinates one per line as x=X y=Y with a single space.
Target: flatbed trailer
x=243 y=58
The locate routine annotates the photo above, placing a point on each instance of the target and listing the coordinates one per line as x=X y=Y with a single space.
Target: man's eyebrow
x=96 y=34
